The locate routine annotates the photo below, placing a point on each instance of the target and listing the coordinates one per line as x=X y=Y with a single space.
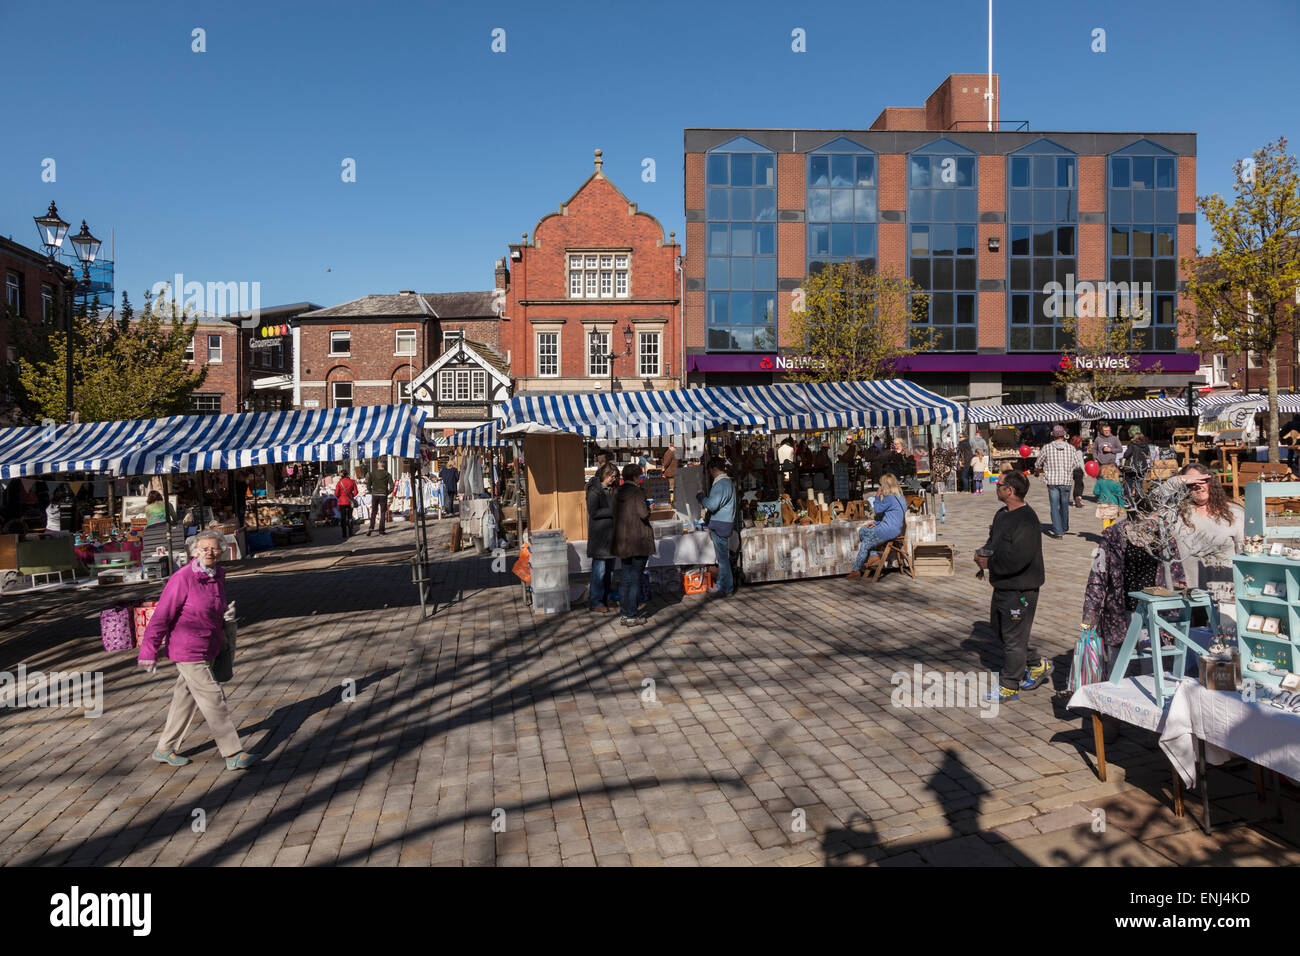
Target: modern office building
x=984 y=221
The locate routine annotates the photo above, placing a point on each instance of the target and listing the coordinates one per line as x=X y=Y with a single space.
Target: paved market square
x=757 y=730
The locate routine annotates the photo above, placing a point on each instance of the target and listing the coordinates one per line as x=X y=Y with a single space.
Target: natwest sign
x=1099 y=363
x=732 y=362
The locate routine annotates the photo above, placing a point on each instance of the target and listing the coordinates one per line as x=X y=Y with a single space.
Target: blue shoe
x=1003 y=695
x=242 y=761
x=173 y=758
x=1037 y=676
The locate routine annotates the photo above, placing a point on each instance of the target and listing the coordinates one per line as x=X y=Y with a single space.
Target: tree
x=856 y=323
x=1101 y=367
x=1244 y=293
x=124 y=367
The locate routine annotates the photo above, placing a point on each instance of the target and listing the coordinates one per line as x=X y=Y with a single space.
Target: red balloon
x=1025 y=451
x=1092 y=468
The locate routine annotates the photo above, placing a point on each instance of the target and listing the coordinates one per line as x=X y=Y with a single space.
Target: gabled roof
x=462 y=305
x=372 y=306
x=441 y=305
x=477 y=352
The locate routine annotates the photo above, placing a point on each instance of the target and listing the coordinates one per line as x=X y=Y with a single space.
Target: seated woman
x=157 y=511
x=890 y=513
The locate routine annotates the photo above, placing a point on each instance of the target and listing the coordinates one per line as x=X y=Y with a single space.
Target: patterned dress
x=1119 y=567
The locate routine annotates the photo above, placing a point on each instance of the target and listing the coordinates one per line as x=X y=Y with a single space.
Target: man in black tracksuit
x=1015 y=567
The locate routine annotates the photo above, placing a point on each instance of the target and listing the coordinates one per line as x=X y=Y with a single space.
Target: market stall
x=689 y=412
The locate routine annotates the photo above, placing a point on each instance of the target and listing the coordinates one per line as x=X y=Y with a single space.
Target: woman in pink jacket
x=189 y=621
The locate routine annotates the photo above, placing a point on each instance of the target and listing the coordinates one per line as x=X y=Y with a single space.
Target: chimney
x=502 y=275
x=406 y=292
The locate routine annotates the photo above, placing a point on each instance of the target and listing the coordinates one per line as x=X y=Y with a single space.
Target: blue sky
x=225 y=165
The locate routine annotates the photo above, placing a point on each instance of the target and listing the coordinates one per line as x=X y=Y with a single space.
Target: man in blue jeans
x=721 y=504
x=1057 y=463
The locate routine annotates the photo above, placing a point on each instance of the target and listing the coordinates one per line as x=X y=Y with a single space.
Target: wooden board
x=932 y=560
x=557 y=491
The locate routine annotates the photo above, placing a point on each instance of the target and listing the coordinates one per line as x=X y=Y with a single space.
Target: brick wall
x=223 y=377
x=597 y=217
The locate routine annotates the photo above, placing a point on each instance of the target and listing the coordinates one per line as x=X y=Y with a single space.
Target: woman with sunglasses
x=1211 y=532
x=190 y=621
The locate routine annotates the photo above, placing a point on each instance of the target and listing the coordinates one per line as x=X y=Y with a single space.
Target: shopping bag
x=1085 y=667
x=115 y=628
x=523 y=566
x=141 y=614
x=223 y=668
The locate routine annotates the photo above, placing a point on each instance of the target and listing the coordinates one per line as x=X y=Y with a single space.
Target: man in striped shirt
x=1056 y=464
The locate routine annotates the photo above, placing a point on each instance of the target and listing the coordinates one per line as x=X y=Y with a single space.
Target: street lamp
x=628 y=336
x=52 y=230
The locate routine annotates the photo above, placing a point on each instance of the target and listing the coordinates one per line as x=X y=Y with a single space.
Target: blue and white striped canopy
x=186 y=443
x=648 y=414
x=1137 y=408
x=1023 y=414
x=481 y=436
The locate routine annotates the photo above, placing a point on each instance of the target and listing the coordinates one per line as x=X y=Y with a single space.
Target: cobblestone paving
x=484 y=735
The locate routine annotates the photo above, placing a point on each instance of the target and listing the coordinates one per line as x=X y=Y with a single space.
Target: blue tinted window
x=1040 y=251
x=1142 y=265
x=850 y=205
x=942 y=212
x=740 y=210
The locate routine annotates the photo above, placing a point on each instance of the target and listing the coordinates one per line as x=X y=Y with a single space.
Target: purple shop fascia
x=1040 y=362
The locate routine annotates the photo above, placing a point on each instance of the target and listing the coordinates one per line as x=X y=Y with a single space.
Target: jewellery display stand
x=1281 y=650
x=1147 y=615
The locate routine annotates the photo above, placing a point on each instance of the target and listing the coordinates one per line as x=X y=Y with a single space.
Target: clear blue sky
x=225 y=165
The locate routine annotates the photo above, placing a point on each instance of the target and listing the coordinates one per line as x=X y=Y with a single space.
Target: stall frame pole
x=171 y=520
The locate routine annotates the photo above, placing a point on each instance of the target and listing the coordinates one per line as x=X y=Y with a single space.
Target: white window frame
x=333 y=348
x=447 y=386
x=462 y=385
x=334 y=395
x=642 y=340
x=189 y=351
x=448 y=338
x=478 y=385
x=199 y=401
x=398 y=336
x=47 y=303
x=215 y=355
x=597 y=364
x=403 y=391
x=599 y=274
x=13 y=293
x=551 y=341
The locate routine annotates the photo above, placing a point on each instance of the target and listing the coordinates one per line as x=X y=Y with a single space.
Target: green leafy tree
x=124 y=367
x=1244 y=292
x=1101 y=365
x=856 y=323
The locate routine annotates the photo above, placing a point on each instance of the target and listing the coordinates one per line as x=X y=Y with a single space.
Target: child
x=978 y=465
x=1110 y=495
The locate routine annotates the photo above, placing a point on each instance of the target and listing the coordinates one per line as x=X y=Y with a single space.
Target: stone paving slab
x=759 y=730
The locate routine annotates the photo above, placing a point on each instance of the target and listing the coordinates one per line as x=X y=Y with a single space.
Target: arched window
x=740 y=271
x=842 y=205
x=942 y=229
x=1042 y=222
x=1142 y=214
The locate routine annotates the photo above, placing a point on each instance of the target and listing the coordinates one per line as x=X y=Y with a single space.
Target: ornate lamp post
x=52 y=230
x=628 y=336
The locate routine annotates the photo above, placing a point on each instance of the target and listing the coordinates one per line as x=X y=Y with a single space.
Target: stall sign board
x=1234 y=422
x=311 y=403
x=656 y=489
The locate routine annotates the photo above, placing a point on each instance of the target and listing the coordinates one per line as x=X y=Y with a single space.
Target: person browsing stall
x=634 y=541
x=721 y=503
x=1013 y=558
x=380 y=484
x=600 y=538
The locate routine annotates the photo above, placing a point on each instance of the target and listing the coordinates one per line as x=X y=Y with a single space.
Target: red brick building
x=30 y=293
x=370 y=350
x=1001 y=228
x=596 y=274
x=216 y=346
x=266 y=358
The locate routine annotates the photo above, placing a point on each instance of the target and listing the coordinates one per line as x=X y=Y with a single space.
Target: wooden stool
x=897 y=547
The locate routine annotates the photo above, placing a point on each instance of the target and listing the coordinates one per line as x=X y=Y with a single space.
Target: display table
x=685 y=550
x=796 y=551
x=1196 y=727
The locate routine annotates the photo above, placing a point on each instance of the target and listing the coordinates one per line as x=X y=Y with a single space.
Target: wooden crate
x=933 y=560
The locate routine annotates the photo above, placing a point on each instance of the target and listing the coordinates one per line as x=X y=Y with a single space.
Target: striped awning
x=1136 y=408
x=481 y=436
x=1023 y=414
x=187 y=443
x=649 y=414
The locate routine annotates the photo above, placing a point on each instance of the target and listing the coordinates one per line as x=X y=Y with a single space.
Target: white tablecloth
x=691 y=549
x=1229 y=725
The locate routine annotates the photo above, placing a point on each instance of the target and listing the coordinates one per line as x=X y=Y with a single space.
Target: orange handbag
x=696 y=582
